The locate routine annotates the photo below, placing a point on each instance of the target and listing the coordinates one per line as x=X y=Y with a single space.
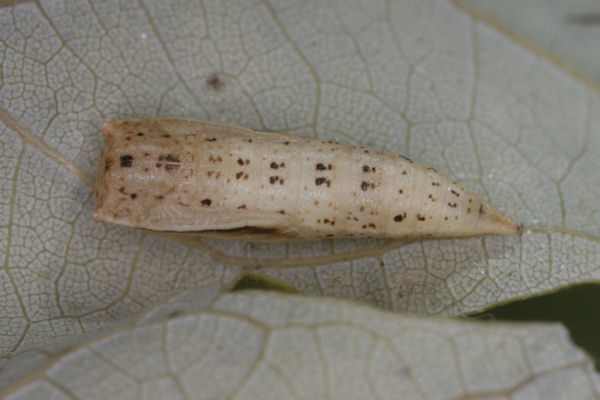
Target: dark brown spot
x=481 y=210
x=371 y=225
x=273 y=179
x=107 y=164
x=166 y=135
x=122 y=189
x=329 y=166
x=242 y=207
x=126 y=161
x=240 y=161
x=400 y=217
x=206 y=202
x=420 y=217
x=400 y=191
x=454 y=192
x=320 y=181
x=245 y=177
x=171 y=167
x=146 y=154
x=282 y=212
x=210 y=139
x=214 y=82
x=274 y=165
x=140 y=134
x=286 y=142
x=133 y=196
x=239 y=175
x=320 y=167
x=172 y=158
x=453 y=205
x=469 y=210
x=160 y=197
x=366 y=168
x=364 y=185
x=435 y=184
x=404 y=172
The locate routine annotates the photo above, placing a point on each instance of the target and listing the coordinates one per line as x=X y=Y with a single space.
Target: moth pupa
x=183 y=175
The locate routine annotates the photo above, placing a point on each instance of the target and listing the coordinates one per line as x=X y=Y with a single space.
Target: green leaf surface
x=423 y=79
x=256 y=281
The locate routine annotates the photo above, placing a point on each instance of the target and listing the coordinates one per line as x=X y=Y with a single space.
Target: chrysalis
x=182 y=175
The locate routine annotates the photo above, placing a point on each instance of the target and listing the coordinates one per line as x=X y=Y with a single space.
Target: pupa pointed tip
x=492 y=221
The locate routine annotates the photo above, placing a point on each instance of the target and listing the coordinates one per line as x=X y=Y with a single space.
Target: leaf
x=256 y=345
x=14 y=368
x=422 y=79
x=566 y=31
x=251 y=280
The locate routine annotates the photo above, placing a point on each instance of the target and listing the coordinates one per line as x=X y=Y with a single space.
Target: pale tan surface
x=182 y=175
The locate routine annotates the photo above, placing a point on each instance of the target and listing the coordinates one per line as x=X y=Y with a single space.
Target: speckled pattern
x=172 y=174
